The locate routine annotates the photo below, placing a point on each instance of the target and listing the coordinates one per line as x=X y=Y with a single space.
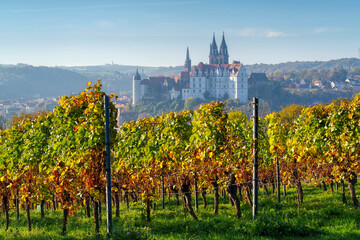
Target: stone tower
x=187 y=64
x=223 y=52
x=136 y=87
x=213 y=57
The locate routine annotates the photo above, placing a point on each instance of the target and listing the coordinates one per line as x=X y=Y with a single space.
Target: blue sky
x=156 y=33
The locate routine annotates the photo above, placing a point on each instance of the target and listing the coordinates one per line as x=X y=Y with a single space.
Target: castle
x=217 y=79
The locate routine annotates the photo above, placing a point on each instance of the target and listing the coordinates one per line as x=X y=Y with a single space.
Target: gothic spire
x=223 y=47
x=223 y=51
x=214 y=42
x=187 y=54
x=213 y=51
x=187 y=64
x=137 y=75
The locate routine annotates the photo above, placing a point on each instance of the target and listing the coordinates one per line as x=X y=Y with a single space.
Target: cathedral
x=216 y=79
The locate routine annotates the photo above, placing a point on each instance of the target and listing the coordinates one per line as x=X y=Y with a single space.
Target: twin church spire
x=221 y=56
x=216 y=56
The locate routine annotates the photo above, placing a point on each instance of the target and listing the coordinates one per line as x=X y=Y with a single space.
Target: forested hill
x=25 y=81
x=344 y=63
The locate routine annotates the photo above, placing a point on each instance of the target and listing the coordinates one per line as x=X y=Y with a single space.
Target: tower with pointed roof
x=187 y=64
x=136 y=87
x=223 y=52
x=213 y=57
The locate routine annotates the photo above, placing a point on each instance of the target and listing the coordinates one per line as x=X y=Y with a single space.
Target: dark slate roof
x=258 y=78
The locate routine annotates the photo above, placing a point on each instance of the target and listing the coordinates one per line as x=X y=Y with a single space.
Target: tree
x=290 y=113
x=2 y=122
x=207 y=95
x=190 y=103
x=226 y=96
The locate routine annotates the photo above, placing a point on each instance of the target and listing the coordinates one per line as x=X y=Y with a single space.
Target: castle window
x=193 y=90
x=200 y=85
x=194 y=85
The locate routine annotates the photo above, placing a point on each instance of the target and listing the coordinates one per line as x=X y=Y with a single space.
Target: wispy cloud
x=260 y=33
x=320 y=30
x=171 y=3
x=105 y=24
x=111 y=6
x=248 y=32
x=272 y=34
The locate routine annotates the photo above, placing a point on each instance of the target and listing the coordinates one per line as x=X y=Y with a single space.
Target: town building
x=217 y=79
x=257 y=79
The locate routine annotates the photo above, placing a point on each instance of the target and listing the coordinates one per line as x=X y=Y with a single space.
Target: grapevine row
x=61 y=154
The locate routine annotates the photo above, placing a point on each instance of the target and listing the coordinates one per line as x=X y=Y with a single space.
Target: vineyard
x=57 y=159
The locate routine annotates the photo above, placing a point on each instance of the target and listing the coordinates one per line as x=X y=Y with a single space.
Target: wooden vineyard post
x=196 y=193
x=163 y=192
x=255 y=159
x=278 y=179
x=17 y=205
x=107 y=166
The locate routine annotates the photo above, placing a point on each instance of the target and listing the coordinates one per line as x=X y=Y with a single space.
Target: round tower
x=136 y=87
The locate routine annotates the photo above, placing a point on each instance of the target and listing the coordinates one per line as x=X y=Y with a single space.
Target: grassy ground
x=322 y=216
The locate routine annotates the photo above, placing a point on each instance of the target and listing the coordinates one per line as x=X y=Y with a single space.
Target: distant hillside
x=344 y=63
x=24 y=81
x=267 y=68
x=127 y=69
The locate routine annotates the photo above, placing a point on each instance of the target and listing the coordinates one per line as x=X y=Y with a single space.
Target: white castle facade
x=218 y=79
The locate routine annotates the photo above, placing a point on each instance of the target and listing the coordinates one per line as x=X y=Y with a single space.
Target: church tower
x=223 y=52
x=187 y=65
x=213 y=57
x=136 y=87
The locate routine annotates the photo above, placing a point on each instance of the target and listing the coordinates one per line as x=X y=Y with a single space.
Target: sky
x=156 y=33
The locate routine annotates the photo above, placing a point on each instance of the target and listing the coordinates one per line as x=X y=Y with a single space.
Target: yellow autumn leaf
x=89 y=83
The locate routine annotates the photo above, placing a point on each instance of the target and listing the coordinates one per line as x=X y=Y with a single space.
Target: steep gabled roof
x=145 y=82
x=157 y=79
x=258 y=77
